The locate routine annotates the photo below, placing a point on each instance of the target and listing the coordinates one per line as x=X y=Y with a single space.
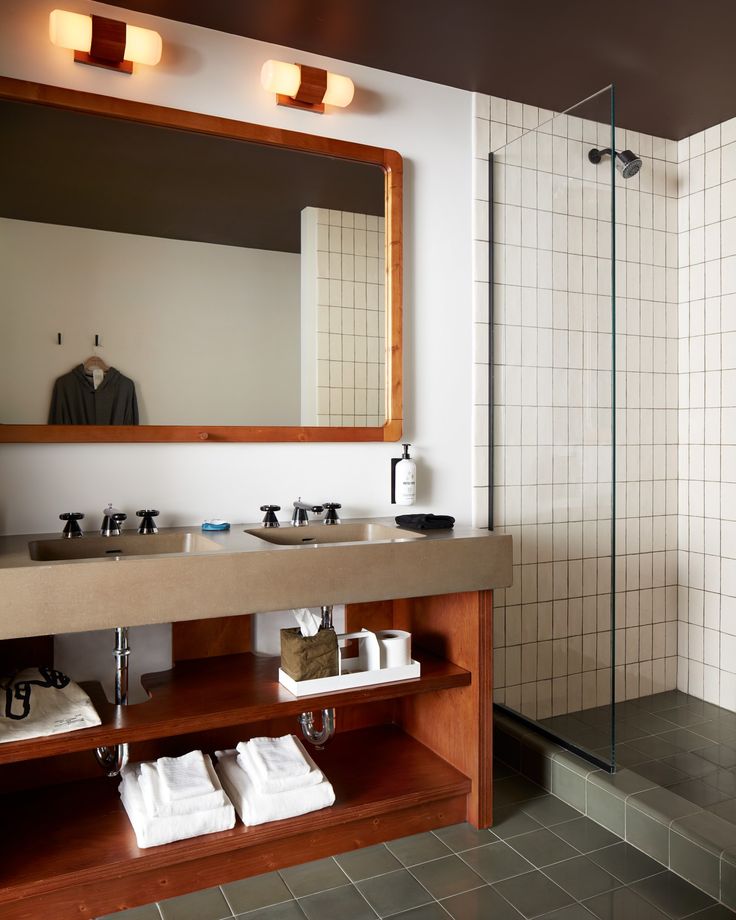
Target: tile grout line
x=451 y=853
x=227 y=901
x=245 y=913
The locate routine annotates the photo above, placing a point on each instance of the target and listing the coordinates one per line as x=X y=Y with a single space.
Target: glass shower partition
x=553 y=424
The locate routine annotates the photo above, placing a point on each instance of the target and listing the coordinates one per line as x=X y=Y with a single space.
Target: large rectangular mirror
x=169 y=276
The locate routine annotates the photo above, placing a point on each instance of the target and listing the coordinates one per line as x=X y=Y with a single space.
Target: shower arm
x=595 y=155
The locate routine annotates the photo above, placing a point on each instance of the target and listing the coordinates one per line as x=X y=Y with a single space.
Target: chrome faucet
x=300 y=517
x=111 y=521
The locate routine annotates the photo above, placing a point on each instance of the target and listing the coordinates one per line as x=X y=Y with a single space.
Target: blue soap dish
x=216 y=525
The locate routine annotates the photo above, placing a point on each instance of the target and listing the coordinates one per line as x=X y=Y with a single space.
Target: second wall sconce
x=304 y=87
x=104 y=42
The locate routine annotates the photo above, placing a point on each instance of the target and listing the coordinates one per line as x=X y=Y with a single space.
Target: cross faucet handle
x=147 y=525
x=270 y=519
x=332 y=516
x=72 y=528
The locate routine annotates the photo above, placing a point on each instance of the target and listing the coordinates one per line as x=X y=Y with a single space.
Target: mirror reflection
x=154 y=276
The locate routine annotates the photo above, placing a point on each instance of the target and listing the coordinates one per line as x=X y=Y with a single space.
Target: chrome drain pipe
x=306 y=719
x=112 y=759
x=318 y=738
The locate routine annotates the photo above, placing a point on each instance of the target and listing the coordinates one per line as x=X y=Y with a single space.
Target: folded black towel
x=425 y=521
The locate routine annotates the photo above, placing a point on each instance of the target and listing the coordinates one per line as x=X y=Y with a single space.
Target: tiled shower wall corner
x=347 y=295
x=551 y=627
x=707 y=455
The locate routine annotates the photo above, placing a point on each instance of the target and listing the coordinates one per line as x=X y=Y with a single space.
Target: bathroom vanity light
x=104 y=42
x=304 y=87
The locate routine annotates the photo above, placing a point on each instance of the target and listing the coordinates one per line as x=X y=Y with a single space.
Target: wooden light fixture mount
x=311 y=92
x=108 y=46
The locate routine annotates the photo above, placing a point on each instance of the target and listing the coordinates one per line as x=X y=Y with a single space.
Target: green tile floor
x=541 y=860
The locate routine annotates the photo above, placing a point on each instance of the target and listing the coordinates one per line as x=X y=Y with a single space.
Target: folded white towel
x=154 y=832
x=276 y=758
x=259 y=808
x=183 y=777
x=271 y=785
x=156 y=807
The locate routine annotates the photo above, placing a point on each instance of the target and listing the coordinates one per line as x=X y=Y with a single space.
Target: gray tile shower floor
x=542 y=859
x=674 y=740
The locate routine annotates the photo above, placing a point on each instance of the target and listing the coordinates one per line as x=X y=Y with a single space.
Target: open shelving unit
x=408 y=756
x=84 y=839
x=210 y=693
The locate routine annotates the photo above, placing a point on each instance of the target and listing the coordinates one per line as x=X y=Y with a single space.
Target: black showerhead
x=627 y=162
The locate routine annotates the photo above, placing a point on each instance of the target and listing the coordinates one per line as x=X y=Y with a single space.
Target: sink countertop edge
x=247 y=576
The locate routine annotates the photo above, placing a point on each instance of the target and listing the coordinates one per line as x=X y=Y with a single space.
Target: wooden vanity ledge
x=241 y=689
x=247 y=575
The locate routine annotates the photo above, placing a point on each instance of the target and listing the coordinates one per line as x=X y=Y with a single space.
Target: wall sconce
x=304 y=87
x=104 y=42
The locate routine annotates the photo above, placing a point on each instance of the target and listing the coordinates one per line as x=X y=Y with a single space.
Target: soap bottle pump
x=404 y=479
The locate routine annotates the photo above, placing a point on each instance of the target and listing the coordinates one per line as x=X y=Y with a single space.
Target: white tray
x=350 y=677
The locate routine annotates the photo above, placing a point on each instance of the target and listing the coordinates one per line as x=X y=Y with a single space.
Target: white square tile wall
x=344 y=318
x=552 y=328
x=706 y=559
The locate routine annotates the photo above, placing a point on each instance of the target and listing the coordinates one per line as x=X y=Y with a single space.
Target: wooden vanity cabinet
x=407 y=757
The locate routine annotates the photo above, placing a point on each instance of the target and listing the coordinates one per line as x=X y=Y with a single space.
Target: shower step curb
x=695 y=844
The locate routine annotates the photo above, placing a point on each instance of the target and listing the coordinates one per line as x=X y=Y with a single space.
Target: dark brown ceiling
x=109 y=174
x=672 y=61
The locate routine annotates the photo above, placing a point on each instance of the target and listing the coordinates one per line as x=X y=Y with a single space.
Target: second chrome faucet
x=300 y=515
x=112 y=521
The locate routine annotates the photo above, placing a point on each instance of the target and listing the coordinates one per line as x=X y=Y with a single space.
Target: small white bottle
x=405 y=479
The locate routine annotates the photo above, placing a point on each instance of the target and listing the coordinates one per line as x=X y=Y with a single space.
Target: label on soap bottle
x=406 y=482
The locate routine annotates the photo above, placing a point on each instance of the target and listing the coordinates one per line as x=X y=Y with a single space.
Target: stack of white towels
x=174 y=798
x=269 y=779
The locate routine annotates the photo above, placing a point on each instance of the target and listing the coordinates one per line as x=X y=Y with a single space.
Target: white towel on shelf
x=184 y=777
x=150 y=783
x=271 y=785
x=255 y=807
x=277 y=758
x=154 y=832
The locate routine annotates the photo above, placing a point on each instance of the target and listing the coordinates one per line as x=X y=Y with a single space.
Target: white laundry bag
x=42 y=701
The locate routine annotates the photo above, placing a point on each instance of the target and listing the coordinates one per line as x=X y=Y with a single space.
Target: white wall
x=196 y=326
x=430 y=125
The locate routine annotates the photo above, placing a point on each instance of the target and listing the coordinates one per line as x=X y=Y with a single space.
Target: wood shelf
x=75 y=843
x=210 y=693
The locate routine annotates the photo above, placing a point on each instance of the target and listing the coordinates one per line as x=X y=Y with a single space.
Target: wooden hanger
x=95 y=362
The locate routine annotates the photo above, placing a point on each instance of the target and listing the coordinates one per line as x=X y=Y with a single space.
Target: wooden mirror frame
x=389 y=160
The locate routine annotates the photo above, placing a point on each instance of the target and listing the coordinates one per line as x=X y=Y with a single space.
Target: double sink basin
x=177 y=543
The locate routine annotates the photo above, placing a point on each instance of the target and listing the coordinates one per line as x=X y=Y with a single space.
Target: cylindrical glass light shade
x=279 y=77
x=70 y=30
x=74 y=31
x=142 y=46
x=339 y=91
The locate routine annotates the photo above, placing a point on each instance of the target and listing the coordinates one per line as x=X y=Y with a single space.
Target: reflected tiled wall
x=552 y=457
x=347 y=327
x=707 y=456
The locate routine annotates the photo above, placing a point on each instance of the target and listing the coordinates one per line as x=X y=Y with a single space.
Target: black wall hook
x=97 y=341
x=58 y=338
